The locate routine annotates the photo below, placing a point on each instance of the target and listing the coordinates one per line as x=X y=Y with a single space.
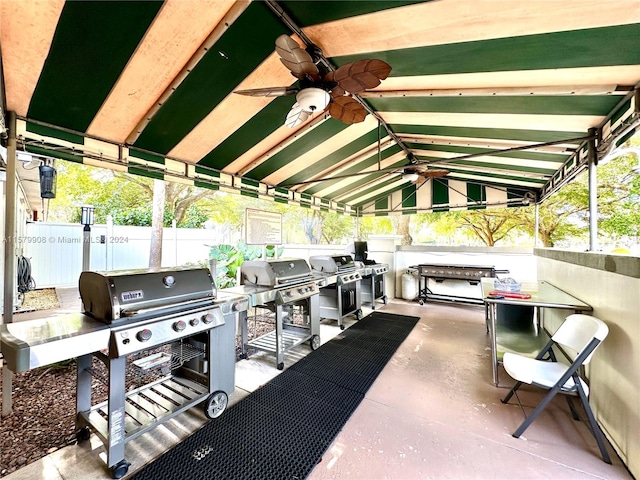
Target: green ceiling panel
x=318 y=135
x=409 y=197
x=76 y=78
x=146 y=156
x=527 y=105
x=207 y=185
x=537 y=156
x=575 y=48
x=476 y=193
x=514 y=168
x=537 y=136
x=367 y=191
x=306 y=13
x=535 y=183
x=261 y=125
x=214 y=77
x=55 y=133
x=145 y=173
x=359 y=167
x=335 y=157
x=361 y=181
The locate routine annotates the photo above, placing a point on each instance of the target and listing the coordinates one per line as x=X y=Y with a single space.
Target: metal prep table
x=287 y=288
x=533 y=337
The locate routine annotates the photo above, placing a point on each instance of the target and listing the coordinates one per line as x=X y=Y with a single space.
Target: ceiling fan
x=414 y=172
x=419 y=173
x=317 y=91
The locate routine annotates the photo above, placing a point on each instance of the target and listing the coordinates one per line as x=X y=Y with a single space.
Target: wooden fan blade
x=295 y=58
x=268 y=92
x=434 y=173
x=330 y=82
x=361 y=75
x=347 y=110
x=296 y=116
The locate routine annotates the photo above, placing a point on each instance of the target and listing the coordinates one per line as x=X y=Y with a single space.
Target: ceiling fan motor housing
x=313 y=99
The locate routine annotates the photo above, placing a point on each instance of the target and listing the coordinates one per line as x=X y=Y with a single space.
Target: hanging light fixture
x=313 y=99
x=47 y=181
x=410 y=177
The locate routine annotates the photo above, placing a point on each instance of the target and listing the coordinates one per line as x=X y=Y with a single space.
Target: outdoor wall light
x=47 y=181
x=86 y=215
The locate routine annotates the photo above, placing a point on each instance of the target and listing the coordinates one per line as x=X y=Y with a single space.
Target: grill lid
x=332 y=263
x=109 y=296
x=271 y=273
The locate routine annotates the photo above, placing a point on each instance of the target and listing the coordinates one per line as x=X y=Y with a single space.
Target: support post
x=536 y=235
x=9 y=255
x=592 y=157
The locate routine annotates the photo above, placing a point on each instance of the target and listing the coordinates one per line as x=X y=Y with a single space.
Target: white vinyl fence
x=55 y=249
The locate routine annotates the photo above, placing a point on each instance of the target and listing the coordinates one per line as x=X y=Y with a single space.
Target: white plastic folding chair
x=578 y=337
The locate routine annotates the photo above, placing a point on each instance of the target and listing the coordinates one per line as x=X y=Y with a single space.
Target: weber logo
x=132 y=295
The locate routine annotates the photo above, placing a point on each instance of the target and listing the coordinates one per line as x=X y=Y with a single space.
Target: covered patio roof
x=503 y=97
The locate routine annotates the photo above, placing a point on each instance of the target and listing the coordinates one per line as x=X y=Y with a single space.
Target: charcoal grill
x=190 y=328
x=434 y=274
x=287 y=288
x=340 y=294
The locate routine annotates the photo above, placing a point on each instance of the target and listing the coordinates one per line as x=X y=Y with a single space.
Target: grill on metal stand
x=287 y=288
x=172 y=323
x=372 y=275
x=341 y=295
x=469 y=275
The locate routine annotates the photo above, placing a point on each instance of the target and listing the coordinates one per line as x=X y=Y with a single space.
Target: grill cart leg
x=116 y=416
x=245 y=335
x=83 y=396
x=279 y=340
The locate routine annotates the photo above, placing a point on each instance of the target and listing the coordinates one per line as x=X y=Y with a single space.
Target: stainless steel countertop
x=36 y=343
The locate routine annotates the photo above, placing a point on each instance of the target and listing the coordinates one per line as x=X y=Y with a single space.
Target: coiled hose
x=25 y=280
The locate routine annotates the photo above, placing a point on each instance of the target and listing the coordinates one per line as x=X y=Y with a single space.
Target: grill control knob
x=194 y=322
x=179 y=326
x=144 y=335
x=207 y=318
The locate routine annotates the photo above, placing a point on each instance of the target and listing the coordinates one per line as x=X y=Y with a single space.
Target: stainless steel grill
x=340 y=294
x=455 y=282
x=287 y=288
x=180 y=309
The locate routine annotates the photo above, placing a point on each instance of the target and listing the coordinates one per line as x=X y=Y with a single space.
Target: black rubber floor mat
x=281 y=430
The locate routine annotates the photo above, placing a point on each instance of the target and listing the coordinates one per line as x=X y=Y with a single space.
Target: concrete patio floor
x=432 y=413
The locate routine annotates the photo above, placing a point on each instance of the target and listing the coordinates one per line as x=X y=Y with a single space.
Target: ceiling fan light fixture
x=313 y=99
x=410 y=177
